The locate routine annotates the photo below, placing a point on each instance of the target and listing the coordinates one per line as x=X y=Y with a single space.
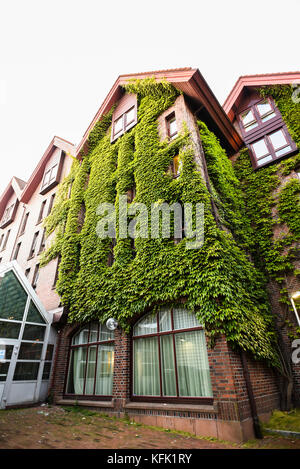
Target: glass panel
x=105 y=334
x=82 y=336
x=264 y=107
x=264 y=160
x=278 y=139
x=268 y=117
x=9 y=330
x=183 y=319
x=192 y=364
x=34 y=332
x=77 y=371
x=34 y=314
x=283 y=151
x=165 y=323
x=6 y=352
x=251 y=126
x=49 y=352
x=260 y=148
x=46 y=371
x=147 y=325
x=90 y=372
x=26 y=371
x=93 y=332
x=30 y=351
x=105 y=369
x=118 y=125
x=247 y=117
x=130 y=115
x=3 y=370
x=168 y=365
x=12 y=297
x=53 y=172
x=172 y=126
x=146 y=367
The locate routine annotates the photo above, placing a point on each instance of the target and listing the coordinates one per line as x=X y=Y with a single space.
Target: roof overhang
x=15 y=186
x=191 y=83
x=268 y=79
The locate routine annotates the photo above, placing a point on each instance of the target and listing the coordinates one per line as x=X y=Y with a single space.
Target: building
x=199 y=330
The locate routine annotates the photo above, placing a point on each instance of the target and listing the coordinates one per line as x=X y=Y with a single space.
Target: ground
x=54 y=427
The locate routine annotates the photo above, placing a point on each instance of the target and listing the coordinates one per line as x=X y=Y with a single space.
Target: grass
x=284 y=420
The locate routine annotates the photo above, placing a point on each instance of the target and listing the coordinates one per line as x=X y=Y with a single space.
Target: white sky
x=59 y=58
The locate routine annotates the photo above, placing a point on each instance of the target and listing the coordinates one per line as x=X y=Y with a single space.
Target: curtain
x=146 y=367
x=168 y=366
x=90 y=372
x=183 y=319
x=192 y=364
x=147 y=325
x=165 y=320
x=79 y=365
x=105 y=368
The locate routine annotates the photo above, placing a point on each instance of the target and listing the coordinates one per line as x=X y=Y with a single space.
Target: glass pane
x=247 y=117
x=146 y=367
x=283 y=151
x=118 y=125
x=260 y=148
x=167 y=365
x=6 y=352
x=77 y=371
x=105 y=369
x=46 y=371
x=183 y=319
x=3 y=370
x=264 y=107
x=105 y=334
x=53 y=172
x=49 y=352
x=172 y=126
x=26 y=371
x=268 y=117
x=251 y=126
x=93 y=332
x=278 y=139
x=130 y=115
x=30 y=351
x=90 y=372
x=12 y=297
x=9 y=330
x=147 y=325
x=264 y=160
x=82 y=336
x=192 y=364
x=34 y=332
x=34 y=314
x=165 y=320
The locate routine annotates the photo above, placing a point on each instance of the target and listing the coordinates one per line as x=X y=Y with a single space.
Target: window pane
x=148 y=325
x=192 y=364
x=183 y=319
x=130 y=115
x=268 y=117
x=77 y=371
x=172 y=126
x=46 y=371
x=6 y=352
x=93 y=332
x=9 y=330
x=26 y=371
x=46 y=178
x=82 y=336
x=4 y=370
x=105 y=334
x=53 y=173
x=146 y=367
x=105 y=369
x=165 y=320
x=49 y=352
x=278 y=139
x=118 y=125
x=247 y=117
x=260 y=148
x=12 y=297
x=283 y=151
x=30 y=351
x=34 y=314
x=90 y=372
x=264 y=160
x=264 y=107
x=168 y=365
x=34 y=332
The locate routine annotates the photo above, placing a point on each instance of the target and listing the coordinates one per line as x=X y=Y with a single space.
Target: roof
x=266 y=79
x=190 y=82
x=36 y=177
x=15 y=186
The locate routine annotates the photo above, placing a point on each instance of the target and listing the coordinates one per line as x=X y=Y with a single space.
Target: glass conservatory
x=26 y=340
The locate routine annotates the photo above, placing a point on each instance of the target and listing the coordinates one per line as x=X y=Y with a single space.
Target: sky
x=59 y=59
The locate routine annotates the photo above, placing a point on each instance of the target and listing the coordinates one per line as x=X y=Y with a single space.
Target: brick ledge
x=85 y=403
x=176 y=407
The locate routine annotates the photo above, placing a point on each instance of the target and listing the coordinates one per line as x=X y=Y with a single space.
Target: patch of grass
x=284 y=420
x=80 y=410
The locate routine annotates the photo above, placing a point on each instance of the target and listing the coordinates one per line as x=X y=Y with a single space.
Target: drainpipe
x=256 y=425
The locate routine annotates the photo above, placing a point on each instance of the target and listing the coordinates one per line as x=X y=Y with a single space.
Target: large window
x=170 y=358
x=271 y=147
x=91 y=362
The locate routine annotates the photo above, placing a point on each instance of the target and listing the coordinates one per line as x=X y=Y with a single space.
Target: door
x=8 y=355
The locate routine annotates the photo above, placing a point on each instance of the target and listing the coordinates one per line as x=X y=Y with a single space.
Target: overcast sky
x=59 y=58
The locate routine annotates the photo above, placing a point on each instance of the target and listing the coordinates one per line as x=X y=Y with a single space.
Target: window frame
x=164 y=399
x=9 y=214
x=171 y=117
x=52 y=181
x=257 y=116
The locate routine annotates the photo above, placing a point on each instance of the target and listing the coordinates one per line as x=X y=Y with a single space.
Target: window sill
x=85 y=403
x=171 y=406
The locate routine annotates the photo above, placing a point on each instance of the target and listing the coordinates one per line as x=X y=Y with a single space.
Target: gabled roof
x=15 y=186
x=267 y=79
x=191 y=83
x=37 y=174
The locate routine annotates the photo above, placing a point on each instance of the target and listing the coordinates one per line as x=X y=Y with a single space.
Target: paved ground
x=51 y=427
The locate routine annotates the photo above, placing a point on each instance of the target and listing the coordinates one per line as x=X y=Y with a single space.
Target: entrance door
x=8 y=355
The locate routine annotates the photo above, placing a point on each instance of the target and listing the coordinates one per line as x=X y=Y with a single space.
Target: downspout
x=253 y=409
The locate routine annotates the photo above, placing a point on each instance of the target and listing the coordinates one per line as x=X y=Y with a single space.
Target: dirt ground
x=54 y=427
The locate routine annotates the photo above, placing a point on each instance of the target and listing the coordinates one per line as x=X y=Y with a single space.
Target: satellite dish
x=111 y=324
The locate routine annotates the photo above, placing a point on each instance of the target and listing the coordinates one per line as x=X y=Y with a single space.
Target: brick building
x=162 y=370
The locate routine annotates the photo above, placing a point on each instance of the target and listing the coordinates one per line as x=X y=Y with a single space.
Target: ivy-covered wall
x=219 y=282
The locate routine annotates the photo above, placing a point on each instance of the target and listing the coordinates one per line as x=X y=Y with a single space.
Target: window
x=43 y=242
x=17 y=250
x=8 y=215
x=35 y=276
x=52 y=174
x=27 y=272
x=57 y=271
x=257 y=115
x=41 y=214
x=1 y=240
x=124 y=116
x=170 y=360
x=5 y=240
x=24 y=224
x=51 y=203
x=172 y=126
x=91 y=362
x=271 y=147
x=33 y=246
x=176 y=166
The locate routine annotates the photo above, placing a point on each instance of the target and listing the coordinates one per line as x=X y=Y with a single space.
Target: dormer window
x=257 y=115
x=52 y=174
x=272 y=146
x=265 y=110
x=248 y=120
x=8 y=215
x=124 y=117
